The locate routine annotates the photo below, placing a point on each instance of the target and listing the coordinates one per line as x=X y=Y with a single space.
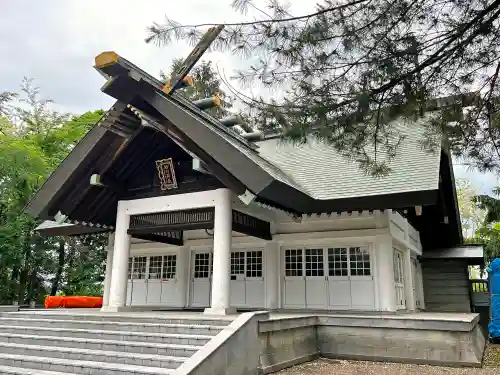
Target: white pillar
x=385 y=274
x=183 y=275
x=221 y=277
x=109 y=267
x=119 y=273
x=420 y=286
x=408 y=281
x=271 y=251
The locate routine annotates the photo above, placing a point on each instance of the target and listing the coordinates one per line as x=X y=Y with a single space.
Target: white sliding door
x=247 y=279
x=201 y=276
x=170 y=295
x=333 y=278
x=238 y=288
x=129 y=282
x=153 y=295
x=399 y=280
x=139 y=280
x=339 y=283
x=254 y=279
x=362 y=285
x=315 y=280
x=294 y=289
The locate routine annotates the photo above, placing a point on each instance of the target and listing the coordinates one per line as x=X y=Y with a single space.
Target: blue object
x=494 y=284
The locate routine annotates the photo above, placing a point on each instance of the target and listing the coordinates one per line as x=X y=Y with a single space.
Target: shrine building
x=201 y=216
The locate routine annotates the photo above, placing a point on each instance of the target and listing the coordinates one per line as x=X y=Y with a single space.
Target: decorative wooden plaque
x=166 y=174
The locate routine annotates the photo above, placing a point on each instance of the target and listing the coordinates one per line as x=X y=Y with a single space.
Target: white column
x=420 y=286
x=271 y=251
x=109 y=267
x=221 y=277
x=183 y=275
x=408 y=281
x=385 y=274
x=119 y=273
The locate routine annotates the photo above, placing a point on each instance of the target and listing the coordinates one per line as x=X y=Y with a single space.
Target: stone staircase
x=57 y=343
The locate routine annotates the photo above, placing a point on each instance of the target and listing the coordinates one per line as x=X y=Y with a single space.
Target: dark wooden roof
x=126 y=164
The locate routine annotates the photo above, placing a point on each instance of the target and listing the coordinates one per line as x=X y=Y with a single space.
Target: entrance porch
x=357 y=261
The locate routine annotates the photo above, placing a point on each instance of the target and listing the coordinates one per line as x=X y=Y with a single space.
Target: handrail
x=479 y=285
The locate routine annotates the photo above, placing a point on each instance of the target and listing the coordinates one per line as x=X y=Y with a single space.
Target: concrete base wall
x=397 y=345
x=284 y=348
x=9 y=308
x=453 y=342
x=234 y=351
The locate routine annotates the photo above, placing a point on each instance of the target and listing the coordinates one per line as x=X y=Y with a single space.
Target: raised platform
x=267 y=342
x=424 y=338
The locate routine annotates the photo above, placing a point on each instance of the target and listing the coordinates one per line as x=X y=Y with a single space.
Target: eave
x=233 y=161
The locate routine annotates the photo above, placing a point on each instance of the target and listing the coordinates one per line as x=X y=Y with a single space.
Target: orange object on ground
x=52 y=302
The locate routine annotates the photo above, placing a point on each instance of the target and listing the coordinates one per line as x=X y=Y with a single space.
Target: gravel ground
x=333 y=367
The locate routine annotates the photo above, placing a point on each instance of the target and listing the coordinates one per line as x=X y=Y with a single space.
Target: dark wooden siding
x=446 y=285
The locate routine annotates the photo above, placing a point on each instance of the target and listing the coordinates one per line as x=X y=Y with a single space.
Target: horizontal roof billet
x=52 y=228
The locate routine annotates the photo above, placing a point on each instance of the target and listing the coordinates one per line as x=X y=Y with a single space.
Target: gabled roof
x=325 y=174
x=307 y=179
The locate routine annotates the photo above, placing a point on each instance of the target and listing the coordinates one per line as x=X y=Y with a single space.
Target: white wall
x=374 y=229
x=407 y=240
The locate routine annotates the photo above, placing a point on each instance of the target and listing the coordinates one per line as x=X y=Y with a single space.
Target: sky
x=55 y=42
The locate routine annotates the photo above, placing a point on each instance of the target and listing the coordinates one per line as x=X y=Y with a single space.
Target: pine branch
x=162 y=34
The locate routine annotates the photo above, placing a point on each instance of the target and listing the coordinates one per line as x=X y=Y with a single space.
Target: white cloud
x=56 y=41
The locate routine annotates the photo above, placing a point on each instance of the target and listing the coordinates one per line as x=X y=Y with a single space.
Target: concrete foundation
x=263 y=342
x=440 y=339
x=9 y=308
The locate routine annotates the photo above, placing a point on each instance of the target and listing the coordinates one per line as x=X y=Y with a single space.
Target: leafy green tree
x=471 y=213
x=206 y=83
x=480 y=216
x=349 y=67
x=33 y=141
x=489 y=235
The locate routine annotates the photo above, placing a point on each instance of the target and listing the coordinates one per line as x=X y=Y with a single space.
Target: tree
x=480 y=215
x=33 y=141
x=351 y=66
x=489 y=235
x=205 y=84
x=471 y=213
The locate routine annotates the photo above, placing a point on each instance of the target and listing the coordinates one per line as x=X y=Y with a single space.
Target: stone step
x=209 y=330
x=180 y=339
x=149 y=360
x=165 y=349
x=28 y=371
x=155 y=318
x=77 y=367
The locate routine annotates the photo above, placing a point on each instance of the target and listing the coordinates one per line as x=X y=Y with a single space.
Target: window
x=359 y=259
x=130 y=261
x=293 y=262
x=155 y=267
x=254 y=264
x=314 y=262
x=398 y=267
x=337 y=262
x=202 y=265
x=169 y=266
x=139 y=268
x=238 y=263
